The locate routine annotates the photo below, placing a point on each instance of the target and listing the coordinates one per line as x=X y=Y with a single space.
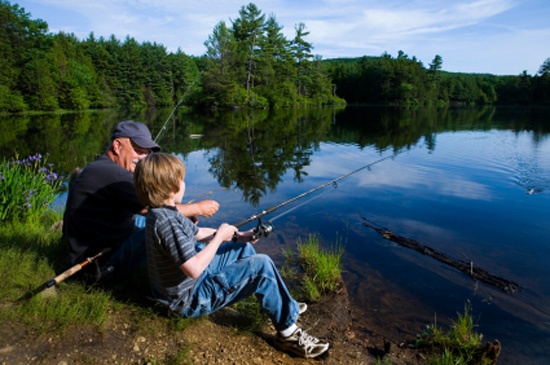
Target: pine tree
x=221 y=81
x=248 y=31
x=301 y=51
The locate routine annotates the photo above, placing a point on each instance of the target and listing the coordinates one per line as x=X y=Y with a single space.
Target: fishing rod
x=76 y=268
x=65 y=274
x=264 y=229
x=173 y=111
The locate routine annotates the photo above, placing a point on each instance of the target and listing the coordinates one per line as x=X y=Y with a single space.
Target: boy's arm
x=205 y=234
x=195 y=266
x=247 y=236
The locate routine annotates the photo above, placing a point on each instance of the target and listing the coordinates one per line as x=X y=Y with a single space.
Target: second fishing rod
x=264 y=228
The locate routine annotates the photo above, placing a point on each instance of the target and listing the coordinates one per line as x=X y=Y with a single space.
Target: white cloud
x=400 y=172
x=426 y=180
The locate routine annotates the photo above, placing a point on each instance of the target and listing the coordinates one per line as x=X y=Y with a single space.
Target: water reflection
x=254 y=152
x=251 y=150
x=461 y=183
x=69 y=139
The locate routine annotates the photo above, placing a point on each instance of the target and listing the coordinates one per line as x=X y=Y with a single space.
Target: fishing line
x=206 y=194
x=302 y=204
x=173 y=111
x=263 y=229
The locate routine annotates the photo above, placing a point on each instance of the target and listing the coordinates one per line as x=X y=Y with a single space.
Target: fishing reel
x=263 y=229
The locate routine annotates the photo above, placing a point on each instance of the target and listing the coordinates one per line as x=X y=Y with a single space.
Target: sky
x=500 y=37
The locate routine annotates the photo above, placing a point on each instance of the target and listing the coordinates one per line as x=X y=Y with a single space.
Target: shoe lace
x=307 y=340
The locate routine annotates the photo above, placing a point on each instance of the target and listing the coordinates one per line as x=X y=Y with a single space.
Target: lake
x=471 y=183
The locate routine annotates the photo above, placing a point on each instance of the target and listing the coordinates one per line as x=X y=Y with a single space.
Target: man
x=102 y=204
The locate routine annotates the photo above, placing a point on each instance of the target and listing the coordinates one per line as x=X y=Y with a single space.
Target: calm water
x=473 y=184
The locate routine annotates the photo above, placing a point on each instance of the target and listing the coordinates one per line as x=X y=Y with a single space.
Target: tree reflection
x=254 y=149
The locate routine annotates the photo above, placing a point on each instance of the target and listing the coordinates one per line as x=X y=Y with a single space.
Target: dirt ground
x=214 y=340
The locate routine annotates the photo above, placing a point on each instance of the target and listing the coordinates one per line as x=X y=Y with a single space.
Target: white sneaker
x=302 y=344
x=302 y=307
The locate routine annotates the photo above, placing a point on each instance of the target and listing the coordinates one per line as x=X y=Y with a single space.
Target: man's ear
x=117 y=145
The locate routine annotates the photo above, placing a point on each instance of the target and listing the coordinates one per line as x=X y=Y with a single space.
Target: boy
x=193 y=282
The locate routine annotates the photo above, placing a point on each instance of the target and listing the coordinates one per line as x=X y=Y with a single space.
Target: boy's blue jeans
x=237 y=272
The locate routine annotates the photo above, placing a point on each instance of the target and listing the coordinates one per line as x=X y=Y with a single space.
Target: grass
x=322 y=268
x=318 y=270
x=459 y=345
x=26 y=263
x=28 y=260
x=179 y=358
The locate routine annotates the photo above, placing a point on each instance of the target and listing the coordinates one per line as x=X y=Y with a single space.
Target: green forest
x=405 y=81
x=248 y=63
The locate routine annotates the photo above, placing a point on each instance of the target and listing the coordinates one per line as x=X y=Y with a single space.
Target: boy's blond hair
x=157 y=177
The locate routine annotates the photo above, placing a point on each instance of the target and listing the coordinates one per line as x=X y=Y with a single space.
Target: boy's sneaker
x=302 y=307
x=302 y=344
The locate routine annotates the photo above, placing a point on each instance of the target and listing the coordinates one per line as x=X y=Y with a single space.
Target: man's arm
x=205 y=208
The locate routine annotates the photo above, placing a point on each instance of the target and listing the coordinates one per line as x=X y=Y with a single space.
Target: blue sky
x=502 y=37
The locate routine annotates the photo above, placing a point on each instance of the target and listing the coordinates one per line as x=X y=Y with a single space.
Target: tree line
x=248 y=62
x=405 y=80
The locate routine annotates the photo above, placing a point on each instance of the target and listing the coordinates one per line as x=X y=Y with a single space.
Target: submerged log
x=463 y=266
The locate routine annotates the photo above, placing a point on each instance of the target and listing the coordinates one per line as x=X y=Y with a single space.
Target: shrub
x=27 y=188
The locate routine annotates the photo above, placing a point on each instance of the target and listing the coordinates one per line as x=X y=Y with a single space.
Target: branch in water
x=465 y=267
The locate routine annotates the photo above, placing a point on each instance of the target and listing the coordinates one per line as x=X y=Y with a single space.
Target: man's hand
x=206 y=208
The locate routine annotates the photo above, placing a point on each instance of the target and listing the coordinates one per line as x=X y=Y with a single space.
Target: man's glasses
x=140 y=150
